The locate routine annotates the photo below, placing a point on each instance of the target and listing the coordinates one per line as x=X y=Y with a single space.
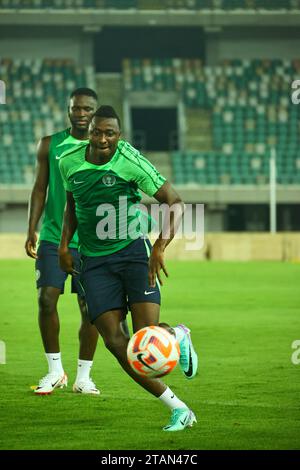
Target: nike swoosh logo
x=78 y=182
x=57 y=157
x=53 y=385
x=190 y=369
x=147 y=293
x=140 y=358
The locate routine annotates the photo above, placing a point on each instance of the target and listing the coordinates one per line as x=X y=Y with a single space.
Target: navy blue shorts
x=118 y=280
x=47 y=269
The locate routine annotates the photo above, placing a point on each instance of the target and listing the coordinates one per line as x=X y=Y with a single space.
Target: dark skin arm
x=69 y=227
x=38 y=195
x=166 y=194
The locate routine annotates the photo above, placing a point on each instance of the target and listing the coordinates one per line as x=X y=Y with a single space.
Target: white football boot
x=86 y=387
x=51 y=381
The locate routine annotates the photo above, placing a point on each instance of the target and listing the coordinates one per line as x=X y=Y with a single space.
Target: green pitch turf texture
x=244 y=318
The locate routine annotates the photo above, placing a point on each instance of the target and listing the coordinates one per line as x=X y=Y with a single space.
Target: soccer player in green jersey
x=48 y=195
x=101 y=178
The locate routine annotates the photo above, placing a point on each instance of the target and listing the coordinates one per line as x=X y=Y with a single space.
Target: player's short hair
x=106 y=111
x=84 y=92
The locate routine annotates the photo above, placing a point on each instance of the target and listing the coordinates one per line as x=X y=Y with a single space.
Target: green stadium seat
x=27 y=119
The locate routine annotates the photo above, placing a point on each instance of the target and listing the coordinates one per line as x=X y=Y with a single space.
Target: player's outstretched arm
x=69 y=227
x=165 y=195
x=38 y=195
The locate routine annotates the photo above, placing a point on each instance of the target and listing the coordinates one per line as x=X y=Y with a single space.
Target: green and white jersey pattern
x=56 y=196
x=106 y=197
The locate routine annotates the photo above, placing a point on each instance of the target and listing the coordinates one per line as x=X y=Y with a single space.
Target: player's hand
x=156 y=264
x=66 y=262
x=30 y=245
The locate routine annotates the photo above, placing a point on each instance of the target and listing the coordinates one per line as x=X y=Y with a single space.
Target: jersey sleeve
x=139 y=170
x=148 y=179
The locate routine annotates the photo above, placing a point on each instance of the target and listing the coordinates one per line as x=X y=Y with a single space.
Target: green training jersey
x=56 y=197
x=107 y=197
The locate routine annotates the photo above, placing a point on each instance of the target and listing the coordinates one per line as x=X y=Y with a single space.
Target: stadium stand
x=247 y=102
x=155 y=4
x=36 y=104
x=250 y=113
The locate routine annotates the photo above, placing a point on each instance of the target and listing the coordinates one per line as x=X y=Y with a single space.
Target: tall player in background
x=48 y=195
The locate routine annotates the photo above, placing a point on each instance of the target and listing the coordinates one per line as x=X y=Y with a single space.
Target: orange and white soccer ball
x=153 y=352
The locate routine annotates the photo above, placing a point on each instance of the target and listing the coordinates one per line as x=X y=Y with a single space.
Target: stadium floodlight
x=273 y=225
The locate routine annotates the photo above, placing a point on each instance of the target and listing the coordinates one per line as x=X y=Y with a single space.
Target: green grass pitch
x=244 y=318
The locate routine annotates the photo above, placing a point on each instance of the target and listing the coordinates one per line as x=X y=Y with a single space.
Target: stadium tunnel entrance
x=155 y=129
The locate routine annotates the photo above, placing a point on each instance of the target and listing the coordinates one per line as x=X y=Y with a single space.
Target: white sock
x=170 y=399
x=179 y=333
x=83 y=370
x=54 y=363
